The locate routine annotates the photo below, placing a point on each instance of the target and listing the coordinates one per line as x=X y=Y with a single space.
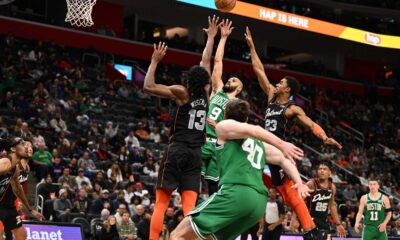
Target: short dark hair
x=293 y=84
x=197 y=79
x=374 y=179
x=6 y=143
x=325 y=163
x=237 y=109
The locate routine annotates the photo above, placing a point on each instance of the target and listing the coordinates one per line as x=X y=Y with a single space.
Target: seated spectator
x=127 y=229
x=143 y=227
x=38 y=139
x=18 y=125
x=129 y=193
x=102 y=153
x=57 y=168
x=110 y=231
x=120 y=211
x=396 y=229
x=3 y=128
x=349 y=193
x=100 y=180
x=8 y=102
x=90 y=165
x=146 y=198
x=105 y=213
x=178 y=217
x=21 y=104
x=110 y=131
x=123 y=91
x=120 y=199
x=116 y=171
x=138 y=214
x=155 y=135
x=82 y=204
x=149 y=169
x=63 y=206
x=66 y=177
x=58 y=124
x=24 y=131
x=42 y=160
x=81 y=178
x=49 y=191
x=103 y=202
x=135 y=200
x=131 y=140
x=40 y=94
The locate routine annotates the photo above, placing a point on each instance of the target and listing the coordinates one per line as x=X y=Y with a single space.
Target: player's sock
x=162 y=200
x=188 y=201
x=298 y=205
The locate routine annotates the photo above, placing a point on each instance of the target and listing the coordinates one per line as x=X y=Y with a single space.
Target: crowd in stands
x=98 y=143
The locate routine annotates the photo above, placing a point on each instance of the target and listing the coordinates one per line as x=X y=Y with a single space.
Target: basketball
x=225 y=5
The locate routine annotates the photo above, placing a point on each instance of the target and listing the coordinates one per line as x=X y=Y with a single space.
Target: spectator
x=135 y=200
x=143 y=227
x=274 y=216
x=138 y=214
x=103 y=202
x=105 y=213
x=8 y=102
x=18 y=125
x=116 y=171
x=24 y=131
x=131 y=140
x=120 y=211
x=109 y=230
x=172 y=224
x=67 y=178
x=62 y=206
x=49 y=191
x=3 y=128
x=110 y=131
x=155 y=135
x=58 y=124
x=42 y=160
x=82 y=204
x=90 y=165
x=123 y=91
x=396 y=230
x=349 y=193
x=139 y=190
x=149 y=169
x=129 y=192
x=127 y=229
x=146 y=198
x=120 y=200
x=38 y=139
x=40 y=94
x=81 y=178
x=57 y=168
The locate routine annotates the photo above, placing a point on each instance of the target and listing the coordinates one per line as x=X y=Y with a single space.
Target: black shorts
x=10 y=217
x=276 y=176
x=180 y=168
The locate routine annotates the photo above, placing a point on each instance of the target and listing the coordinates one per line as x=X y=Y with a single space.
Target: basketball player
x=322 y=202
x=9 y=176
x=241 y=199
x=377 y=212
x=220 y=95
x=23 y=180
x=181 y=166
x=282 y=109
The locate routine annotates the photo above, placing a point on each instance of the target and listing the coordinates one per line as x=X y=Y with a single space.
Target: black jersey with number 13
x=189 y=123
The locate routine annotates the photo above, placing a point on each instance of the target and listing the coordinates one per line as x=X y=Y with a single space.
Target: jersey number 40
x=254 y=151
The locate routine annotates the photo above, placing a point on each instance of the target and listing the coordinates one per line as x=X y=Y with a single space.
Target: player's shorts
x=180 y=168
x=373 y=233
x=10 y=218
x=209 y=168
x=228 y=212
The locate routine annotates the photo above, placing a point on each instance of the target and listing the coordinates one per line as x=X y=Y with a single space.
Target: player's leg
x=368 y=233
x=189 y=199
x=209 y=167
x=382 y=235
x=162 y=200
x=19 y=233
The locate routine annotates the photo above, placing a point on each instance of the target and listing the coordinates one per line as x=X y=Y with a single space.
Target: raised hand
x=249 y=38
x=212 y=29
x=291 y=152
x=332 y=141
x=159 y=52
x=226 y=27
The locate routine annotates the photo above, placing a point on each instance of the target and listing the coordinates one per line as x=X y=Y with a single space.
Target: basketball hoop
x=80 y=12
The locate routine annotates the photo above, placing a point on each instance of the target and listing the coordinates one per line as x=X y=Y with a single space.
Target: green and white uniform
x=215 y=112
x=242 y=196
x=374 y=215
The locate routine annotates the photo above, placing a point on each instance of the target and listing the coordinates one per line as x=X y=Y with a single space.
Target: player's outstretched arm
x=275 y=156
x=333 y=209
x=360 y=213
x=216 y=77
x=316 y=129
x=19 y=193
x=231 y=129
x=211 y=31
x=258 y=67
x=388 y=210
x=175 y=92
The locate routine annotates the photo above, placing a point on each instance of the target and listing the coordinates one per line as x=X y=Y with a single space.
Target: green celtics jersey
x=216 y=111
x=374 y=212
x=241 y=162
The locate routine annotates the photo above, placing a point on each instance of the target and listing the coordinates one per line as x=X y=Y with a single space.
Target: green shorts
x=372 y=233
x=228 y=212
x=209 y=167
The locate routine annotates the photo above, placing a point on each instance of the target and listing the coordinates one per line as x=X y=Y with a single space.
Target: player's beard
x=229 y=89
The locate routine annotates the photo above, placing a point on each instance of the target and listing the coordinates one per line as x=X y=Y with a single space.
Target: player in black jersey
x=9 y=179
x=322 y=202
x=23 y=179
x=181 y=166
x=282 y=109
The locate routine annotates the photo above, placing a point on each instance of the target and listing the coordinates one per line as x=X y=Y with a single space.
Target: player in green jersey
x=220 y=95
x=377 y=213
x=241 y=199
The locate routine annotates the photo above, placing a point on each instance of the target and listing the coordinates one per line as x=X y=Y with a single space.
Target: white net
x=80 y=12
